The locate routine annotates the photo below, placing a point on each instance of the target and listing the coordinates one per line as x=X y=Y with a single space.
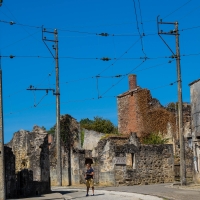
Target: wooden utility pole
x=180 y=110
x=176 y=55
x=2 y=161
x=2 y=157
x=57 y=93
x=58 y=146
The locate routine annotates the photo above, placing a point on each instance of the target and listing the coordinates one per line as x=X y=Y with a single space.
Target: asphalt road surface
x=105 y=195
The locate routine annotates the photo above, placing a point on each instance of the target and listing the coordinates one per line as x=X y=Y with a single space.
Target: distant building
x=195 y=113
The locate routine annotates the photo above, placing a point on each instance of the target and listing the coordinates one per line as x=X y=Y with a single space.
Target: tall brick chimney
x=132 y=78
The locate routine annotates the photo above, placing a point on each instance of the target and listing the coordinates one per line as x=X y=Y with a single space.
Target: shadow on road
x=64 y=192
x=89 y=196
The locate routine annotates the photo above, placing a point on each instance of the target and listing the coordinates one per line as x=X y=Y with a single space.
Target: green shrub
x=154 y=138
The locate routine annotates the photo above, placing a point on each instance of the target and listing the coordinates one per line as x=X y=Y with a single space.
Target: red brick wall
x=129 y=118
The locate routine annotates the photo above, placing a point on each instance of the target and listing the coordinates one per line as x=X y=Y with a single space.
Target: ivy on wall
x=154 y=118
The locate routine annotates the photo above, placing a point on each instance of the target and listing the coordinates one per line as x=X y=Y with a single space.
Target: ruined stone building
x=27 y=164
x=118 y=160
x=70 y=139
x=195 y=110
x=139 y=112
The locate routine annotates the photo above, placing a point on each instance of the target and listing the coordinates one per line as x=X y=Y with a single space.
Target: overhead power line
x=141 y=16
x=192 y=11
x=141 y=35
x=122 y=78
x=78 y=100
x=103 y=59
x=177 y=9
x=74 y=31
x=120 y=56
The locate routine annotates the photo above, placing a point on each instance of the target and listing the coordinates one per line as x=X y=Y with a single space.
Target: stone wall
x=27 y=164
x=91 y=139
x=124 y=161
x=11 y=186
x=195 y=113
x=70 y=138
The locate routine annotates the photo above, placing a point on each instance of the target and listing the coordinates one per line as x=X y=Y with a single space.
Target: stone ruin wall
x=153 y=163
x=195 y=110
x=27 y=164
x=10 y=178
x=70 y=134
x=91 y=139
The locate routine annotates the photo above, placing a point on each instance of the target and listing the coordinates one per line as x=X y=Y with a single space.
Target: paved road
x=74 y=194
x=162 y=190
x=140 y=192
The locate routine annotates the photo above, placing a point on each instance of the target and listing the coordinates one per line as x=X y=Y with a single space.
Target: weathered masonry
x=27 y=164
x=123 y=160
x=195 y=111
x=140 y=113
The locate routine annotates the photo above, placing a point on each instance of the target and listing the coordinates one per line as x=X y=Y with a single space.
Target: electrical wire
x=189 y=13
x=116 y=76
x=17 y=22
x=72 y=31
x=177 y=9
x=141 y=16
x=121 y=75
x=122 y=78
x=79 y=58
x=121 y=56
x=162 y=86
x=78 y=100
x=18 y=40
x=185 y=29
x=141 y=36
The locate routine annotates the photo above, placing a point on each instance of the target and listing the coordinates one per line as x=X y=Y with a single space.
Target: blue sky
x=79 y=23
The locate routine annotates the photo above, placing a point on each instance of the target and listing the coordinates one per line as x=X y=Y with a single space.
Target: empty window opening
x=133 y=160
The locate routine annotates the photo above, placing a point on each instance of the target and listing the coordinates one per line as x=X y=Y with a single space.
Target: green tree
x=99 y=124
x=51 y=130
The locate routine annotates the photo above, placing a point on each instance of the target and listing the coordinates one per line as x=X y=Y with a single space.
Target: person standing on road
x=89 y=179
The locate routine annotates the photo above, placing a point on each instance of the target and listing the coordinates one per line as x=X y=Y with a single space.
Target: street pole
x=180 y=110
x=57 y=93
x=180 y=103
x=2 y=161
x=58 y=146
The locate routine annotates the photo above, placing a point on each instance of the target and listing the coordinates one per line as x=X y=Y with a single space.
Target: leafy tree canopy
x=99 y=124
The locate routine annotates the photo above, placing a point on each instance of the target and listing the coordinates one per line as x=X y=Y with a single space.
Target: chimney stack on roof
x=132 y=81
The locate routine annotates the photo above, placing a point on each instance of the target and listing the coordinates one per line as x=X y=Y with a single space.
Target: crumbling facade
x=140 y=113
x=27 y=164
x=70 y=139
x=195 y=113
x=123 y=160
